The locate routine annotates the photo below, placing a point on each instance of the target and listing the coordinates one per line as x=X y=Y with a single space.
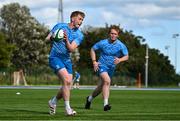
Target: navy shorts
x=57 y=63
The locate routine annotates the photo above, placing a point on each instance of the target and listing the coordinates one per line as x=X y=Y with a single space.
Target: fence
x=45 y=76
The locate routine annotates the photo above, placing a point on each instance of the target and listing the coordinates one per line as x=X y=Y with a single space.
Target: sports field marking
x=88 y=88
x=127 y=114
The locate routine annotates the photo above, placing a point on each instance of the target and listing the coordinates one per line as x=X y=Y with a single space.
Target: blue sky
x=155 y=20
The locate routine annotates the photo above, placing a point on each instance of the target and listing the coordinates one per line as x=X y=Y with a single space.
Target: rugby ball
x=58 y=35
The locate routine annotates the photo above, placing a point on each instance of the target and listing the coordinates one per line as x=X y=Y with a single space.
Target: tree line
x=23 y=46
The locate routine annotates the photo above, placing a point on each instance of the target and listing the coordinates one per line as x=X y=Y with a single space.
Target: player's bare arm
x=71 y=46
x=93 y=57
x=118 y=60
x=48 y=38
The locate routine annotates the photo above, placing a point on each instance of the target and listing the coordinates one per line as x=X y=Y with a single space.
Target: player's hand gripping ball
x=58 y=35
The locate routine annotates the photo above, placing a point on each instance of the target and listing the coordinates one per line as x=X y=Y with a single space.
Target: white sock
x=105 y=102
x=67 y=105
x=90 y=98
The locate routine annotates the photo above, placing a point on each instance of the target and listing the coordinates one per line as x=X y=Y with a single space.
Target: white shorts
x=76 y=80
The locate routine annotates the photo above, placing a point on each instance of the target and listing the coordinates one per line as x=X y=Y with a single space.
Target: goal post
x=19 y=78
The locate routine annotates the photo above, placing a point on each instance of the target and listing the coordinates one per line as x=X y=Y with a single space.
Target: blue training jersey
x=59 y=49
x=108 y=51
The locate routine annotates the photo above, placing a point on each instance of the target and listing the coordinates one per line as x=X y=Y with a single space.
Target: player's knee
x=107 y=82
x=67 y=81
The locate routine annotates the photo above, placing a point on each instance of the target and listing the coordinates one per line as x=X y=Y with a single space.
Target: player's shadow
x=25 y=111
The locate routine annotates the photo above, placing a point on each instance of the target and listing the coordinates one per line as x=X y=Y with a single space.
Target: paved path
x=87 y=88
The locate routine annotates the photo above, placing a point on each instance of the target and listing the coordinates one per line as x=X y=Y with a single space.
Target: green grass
x=126 y=105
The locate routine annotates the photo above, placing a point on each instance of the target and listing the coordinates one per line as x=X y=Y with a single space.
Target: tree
x=5 y=52
x=26 y=33
x=160 y=69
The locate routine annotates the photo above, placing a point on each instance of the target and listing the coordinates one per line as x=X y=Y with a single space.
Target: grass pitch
x=31 y=104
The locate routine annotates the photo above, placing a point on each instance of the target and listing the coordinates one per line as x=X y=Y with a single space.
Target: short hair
x=115 y=27
x=76 y=13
